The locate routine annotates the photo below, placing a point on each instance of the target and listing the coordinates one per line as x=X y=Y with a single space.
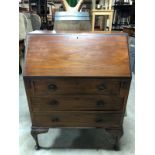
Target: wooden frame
x=102 y=12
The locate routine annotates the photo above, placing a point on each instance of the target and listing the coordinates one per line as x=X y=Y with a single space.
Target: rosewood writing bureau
x=77 y=80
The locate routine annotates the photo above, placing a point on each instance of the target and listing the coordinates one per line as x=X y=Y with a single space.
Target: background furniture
x=124 y=14
x=44 y=9
x=77 y=80
x=72 y=21
x=106 y=11
x=72 y=5
x=21 y=47
x=27 y=23
x=129 y=30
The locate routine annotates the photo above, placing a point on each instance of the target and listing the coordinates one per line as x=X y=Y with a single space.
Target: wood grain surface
x=77 y=54
x=77 y=102
x=77 y=119
x=62 y=86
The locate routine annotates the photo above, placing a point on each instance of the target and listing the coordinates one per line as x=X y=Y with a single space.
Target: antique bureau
x=77 y=80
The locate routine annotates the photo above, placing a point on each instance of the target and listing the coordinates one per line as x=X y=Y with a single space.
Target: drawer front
x=77 y=119
x=75 y=86
x=77 y=102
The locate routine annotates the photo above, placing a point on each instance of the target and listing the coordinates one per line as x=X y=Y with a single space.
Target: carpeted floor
x=73 y=139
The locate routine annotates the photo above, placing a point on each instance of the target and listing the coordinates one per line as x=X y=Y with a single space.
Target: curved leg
x=34 y=132
x=116 y=133
x=116 y=145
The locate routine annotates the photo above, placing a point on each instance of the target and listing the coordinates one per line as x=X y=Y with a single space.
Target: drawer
x=77 y=119
x=75 y=86
x=76 y=102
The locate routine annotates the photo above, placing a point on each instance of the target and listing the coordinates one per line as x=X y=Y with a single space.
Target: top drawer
x=75 y=86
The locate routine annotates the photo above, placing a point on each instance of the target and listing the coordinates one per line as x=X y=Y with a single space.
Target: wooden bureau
x=77 y=80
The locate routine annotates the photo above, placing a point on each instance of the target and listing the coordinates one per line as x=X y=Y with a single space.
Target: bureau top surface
x=77 y=55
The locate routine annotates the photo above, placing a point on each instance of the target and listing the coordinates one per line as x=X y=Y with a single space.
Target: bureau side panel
x=124 y=92
x=29 y=92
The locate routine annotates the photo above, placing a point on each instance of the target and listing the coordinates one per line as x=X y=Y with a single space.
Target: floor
x=70 y=140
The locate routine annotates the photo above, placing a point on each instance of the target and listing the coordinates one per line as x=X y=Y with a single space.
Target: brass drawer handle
x=101 y=87
x=56 y=119
x=100 y=103
x=54 y=102
x=99 y=120
x=52 y=87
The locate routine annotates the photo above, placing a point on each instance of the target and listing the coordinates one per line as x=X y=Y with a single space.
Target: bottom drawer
x=77 y=119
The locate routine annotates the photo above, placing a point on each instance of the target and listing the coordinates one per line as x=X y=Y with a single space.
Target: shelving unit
x=41 y=7
x=123 y=15
x=106 y=14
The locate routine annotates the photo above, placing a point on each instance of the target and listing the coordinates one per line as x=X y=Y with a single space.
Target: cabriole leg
x=116 y=144
x=116 y=134
x=34 y=132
